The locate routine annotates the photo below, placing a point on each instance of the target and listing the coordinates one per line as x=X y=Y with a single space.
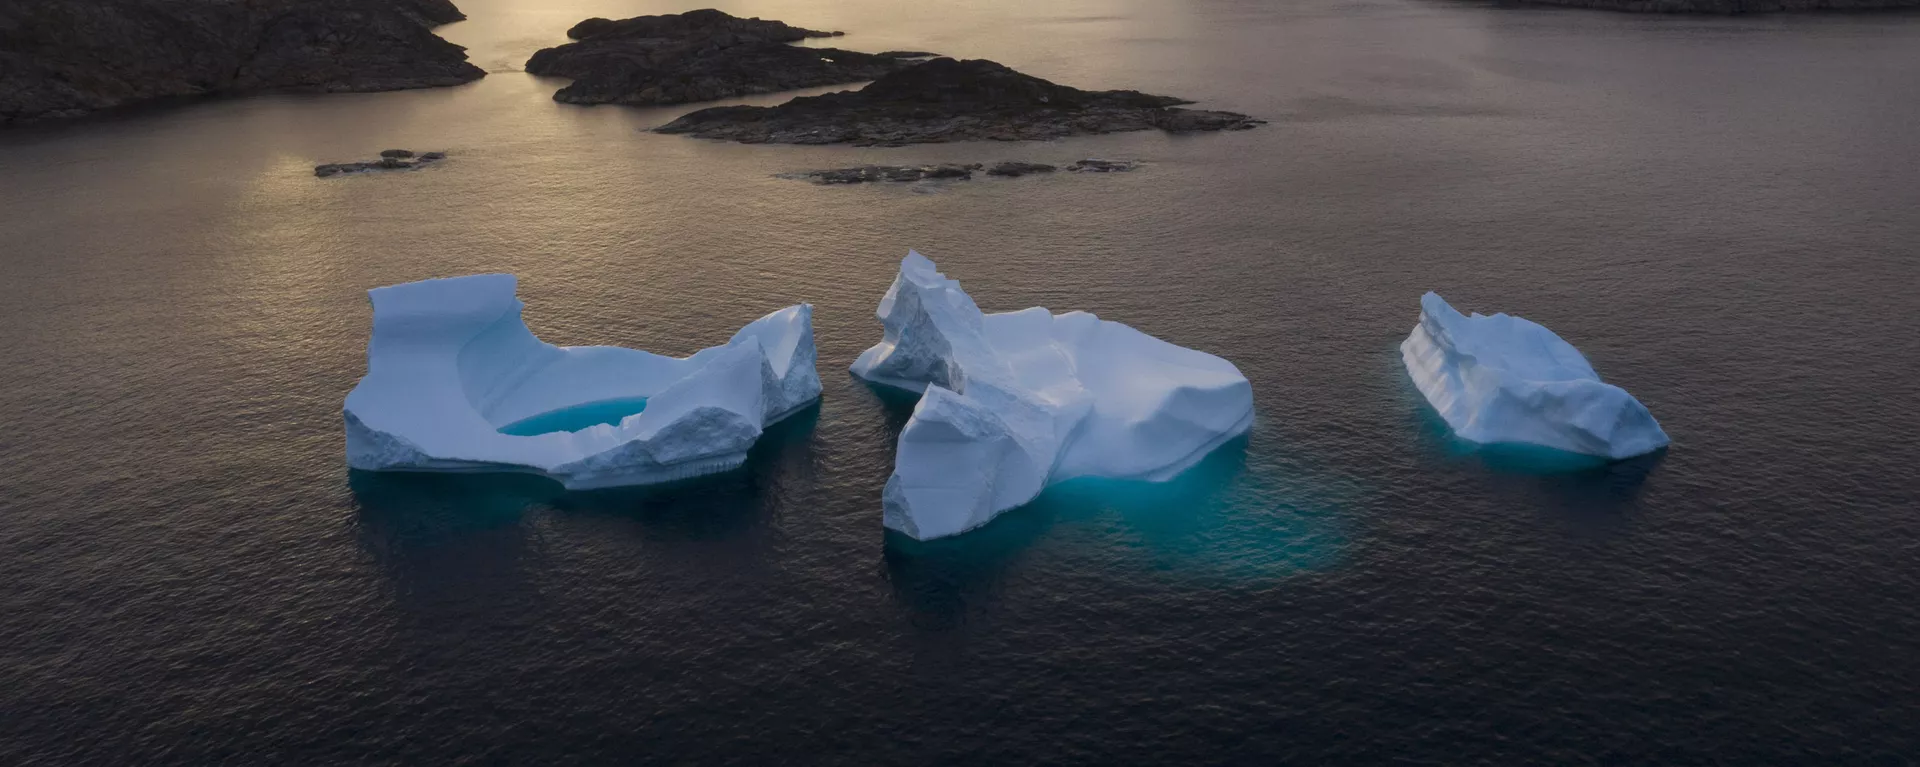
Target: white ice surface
x=1505 y=380
x=451 y=362
x=1016 y=401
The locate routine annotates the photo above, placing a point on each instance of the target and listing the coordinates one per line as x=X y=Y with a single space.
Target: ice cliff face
x=451 y=363
x=1503 y=379
x=1016 y=401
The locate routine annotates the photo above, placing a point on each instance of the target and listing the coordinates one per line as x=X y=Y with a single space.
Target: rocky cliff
x=65 y=58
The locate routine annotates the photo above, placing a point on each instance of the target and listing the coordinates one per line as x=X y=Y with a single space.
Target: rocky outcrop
x=698 y=56
x=1018 y=169
x=705 y=24
x=952 y=171
x=1103 y=166
x=391 y=159
x=900 y=173
x=65 y=58
x=1726 y=7
x=948 y=100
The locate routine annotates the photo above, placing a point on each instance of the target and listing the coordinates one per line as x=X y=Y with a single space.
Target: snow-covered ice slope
x=451 y=363
x=1016 y=401
x=1503 y=379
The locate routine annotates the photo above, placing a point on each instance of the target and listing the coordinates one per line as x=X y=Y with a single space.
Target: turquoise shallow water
x=1718 y=212
x=577 y=417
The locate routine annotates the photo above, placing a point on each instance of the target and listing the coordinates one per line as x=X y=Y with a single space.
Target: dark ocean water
x=1724 y=214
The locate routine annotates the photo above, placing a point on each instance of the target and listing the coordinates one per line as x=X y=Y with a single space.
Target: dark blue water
x=1720 y=212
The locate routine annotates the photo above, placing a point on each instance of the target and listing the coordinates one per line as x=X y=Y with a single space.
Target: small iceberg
x=1505 y=380
x=1016 y=401
x=455 y=382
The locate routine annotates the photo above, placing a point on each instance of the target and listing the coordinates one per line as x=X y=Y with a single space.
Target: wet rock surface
x=390 y=159
x=697 y=56
x=68 y=58
x=950 y=100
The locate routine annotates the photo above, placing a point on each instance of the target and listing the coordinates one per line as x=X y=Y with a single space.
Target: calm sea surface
x=1724 y=214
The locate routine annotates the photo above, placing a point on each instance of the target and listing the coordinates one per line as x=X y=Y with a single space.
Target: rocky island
x=950 y=100
x=699 y=56
x=1727 y=7
x=66 y=58
x=390 y=159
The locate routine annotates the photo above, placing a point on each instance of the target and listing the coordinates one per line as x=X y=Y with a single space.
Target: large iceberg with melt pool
x=1505 y=380
x=1016 y=401
x=456 y=382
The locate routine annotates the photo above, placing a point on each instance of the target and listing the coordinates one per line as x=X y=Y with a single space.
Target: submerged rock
x=949 y=100
x=391 y=159
x=696 y=56
x=66 y=58
x=903 y=173
x=1017 y=169
x=1103 y=166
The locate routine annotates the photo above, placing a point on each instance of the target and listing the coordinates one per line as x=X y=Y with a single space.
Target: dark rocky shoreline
x=68 y=58
x=949 y=100
x=700 y=55
x=1724 y=7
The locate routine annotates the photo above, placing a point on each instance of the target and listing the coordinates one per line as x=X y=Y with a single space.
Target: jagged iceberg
x=454 y=378
x=1506 y=380
x=1016 y=401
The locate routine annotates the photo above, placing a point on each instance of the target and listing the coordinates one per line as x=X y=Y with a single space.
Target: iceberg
x=1016 y=401
x=1506 y=380
x=457 y=383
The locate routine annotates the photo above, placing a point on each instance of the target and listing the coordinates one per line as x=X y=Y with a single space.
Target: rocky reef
x=1727 y=7
x=1103 y=166
x=391 y=159
x=699 y=56
x=951 y=100
x=863 y=174
x=1018 y=169
x=66 y=58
